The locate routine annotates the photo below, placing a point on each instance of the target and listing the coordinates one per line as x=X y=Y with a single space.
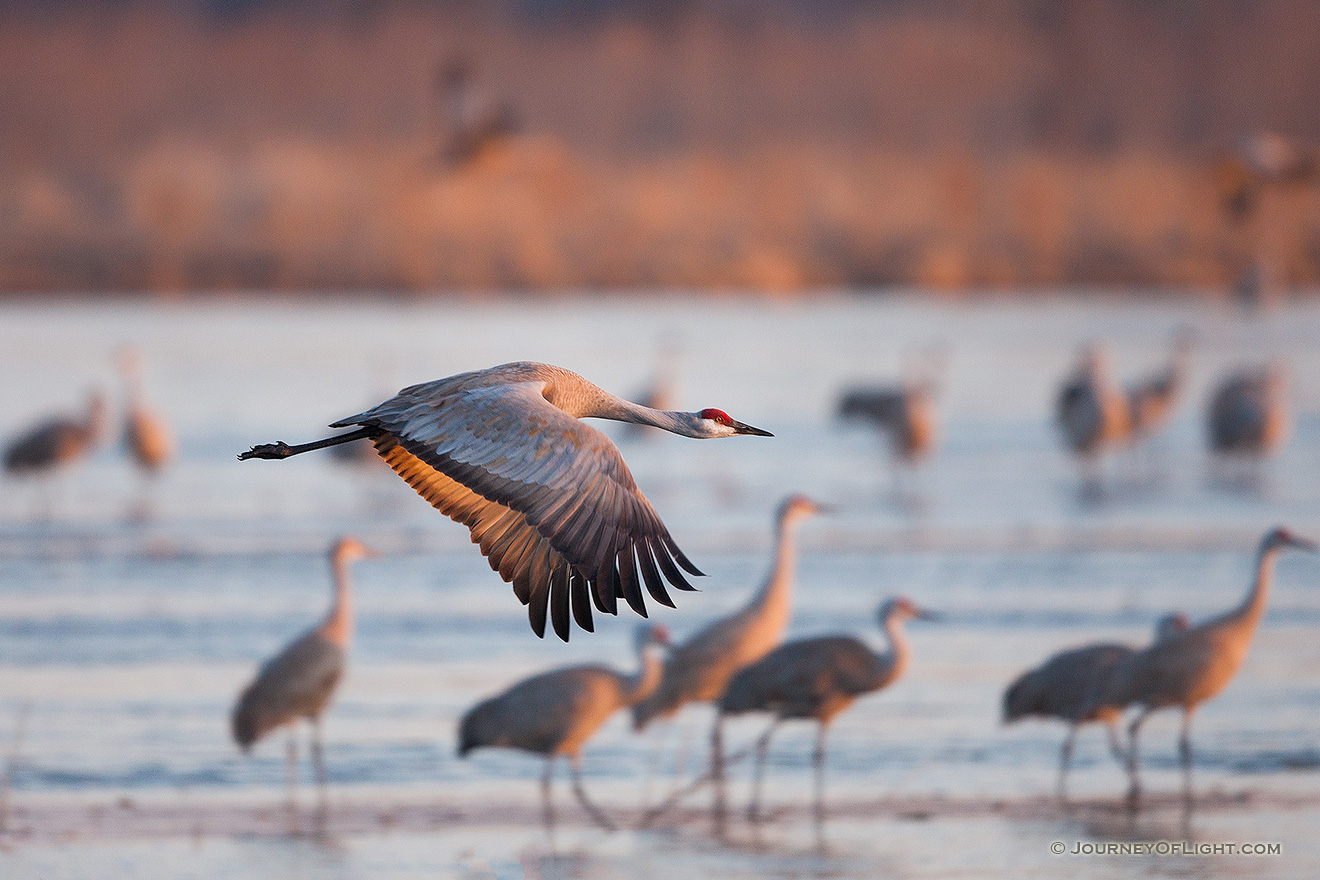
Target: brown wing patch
x=512 y=546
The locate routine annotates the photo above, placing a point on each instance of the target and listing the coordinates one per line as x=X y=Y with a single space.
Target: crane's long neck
x=776 y=596
x=643 y=683
x=894 y=663
x=1253 y=606
x=338 y=627
x=607 y=406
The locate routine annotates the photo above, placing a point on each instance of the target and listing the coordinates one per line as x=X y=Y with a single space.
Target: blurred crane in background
x=57 y=443
x=1069 y=686
x=476 y=121
x=698 y=668
x=554 y=714
x=814 y=678
x=1092 y=412
x=1185 y=669
x=1248 y=413
x=1151 y=401
x=299 y=682
x=549 y=499
x=147 y=436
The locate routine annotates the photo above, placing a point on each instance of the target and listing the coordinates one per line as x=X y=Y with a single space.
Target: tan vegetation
x=147 y=149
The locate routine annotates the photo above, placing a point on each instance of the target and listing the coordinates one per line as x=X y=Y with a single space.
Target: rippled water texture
x=130 y=616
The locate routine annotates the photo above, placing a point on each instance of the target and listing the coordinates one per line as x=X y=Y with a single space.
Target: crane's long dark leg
x=1134 y=785
x=818 y=759
x=547 y=805
x=1185 y=756
x=1115 y=746
x=291 y=774
x=1065 y=758
x=575 y=765
x=718 y=808
x=280 y=449
x=758 y=773
x=322 y=779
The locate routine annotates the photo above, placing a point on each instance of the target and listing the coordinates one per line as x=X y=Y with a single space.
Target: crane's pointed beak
x=740 y=428
x=1303 y=544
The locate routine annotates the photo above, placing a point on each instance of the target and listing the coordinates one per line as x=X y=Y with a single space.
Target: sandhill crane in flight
x=697 y=669
x=814 y=678
x=554 y=714
x=299 y=682
x=1185 y=669
x=1260 y=160
x=147 y=437
x=548 y=498
x=1248 y=413
x=1151 y=401
x=1069 y=686
x=477 y=122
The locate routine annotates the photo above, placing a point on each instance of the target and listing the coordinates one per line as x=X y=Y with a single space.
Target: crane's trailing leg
x=1185 y=756
x=718 y=807
x=818 y=759
x=758 y=773
x=575 y=765
x=1115 y=747
x=280 y=449
x=1065 y=758
x=547 y=805
x=1134 y=785
x=291 y=773
x=322 y=779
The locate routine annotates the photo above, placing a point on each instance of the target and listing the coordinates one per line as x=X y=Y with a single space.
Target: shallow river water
x=131 y=615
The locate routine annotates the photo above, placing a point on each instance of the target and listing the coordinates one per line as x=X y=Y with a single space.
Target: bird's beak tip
x=755 y=432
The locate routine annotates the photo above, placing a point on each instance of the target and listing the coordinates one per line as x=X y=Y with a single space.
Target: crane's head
x=651 y=635
x=1171 y=625
x=902 y=609
x=349 y=549
x=717 y=423
x=795 y=508
x=1281 y=537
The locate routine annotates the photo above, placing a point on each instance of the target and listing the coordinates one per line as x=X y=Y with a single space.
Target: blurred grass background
x=779 y=146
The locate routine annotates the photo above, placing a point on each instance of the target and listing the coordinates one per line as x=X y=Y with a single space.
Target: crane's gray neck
x=896 y=660
x=778 y=588
x=642 y=684
x=1253 y=606
x=339 y=622
x=607 y=406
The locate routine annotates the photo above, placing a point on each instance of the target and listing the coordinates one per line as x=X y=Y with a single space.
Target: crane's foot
x=278 y=449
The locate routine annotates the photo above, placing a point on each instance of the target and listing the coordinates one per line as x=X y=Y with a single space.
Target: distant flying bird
x=698 y=669
x=1151 y=401
x=816 y=679
x=1248 y=413
x=1070 y=686
x=1091 y=411
x=1258 y=161
x=58 y=441
x=554 y=714
x=1188 y=668
x=548 y=498
x=299 y=682
x=477 y=122
x=147 y=436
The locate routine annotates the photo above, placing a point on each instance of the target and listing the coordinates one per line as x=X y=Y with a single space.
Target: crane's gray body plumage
x=299 y=682
x=810 y=678
x=1248 y=414
x=1068 y=686
x=56 y=441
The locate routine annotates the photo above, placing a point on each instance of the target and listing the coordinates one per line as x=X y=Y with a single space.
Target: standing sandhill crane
x=1188 y=668
x=1069 y=686
x=1151 y=401
x=813 y=678
x=57 y=442
x=300 y=681
x=146 y=435
x=698 y=669
x=904 y=412
x=476 y=121
x=548 y=499
x=554 y=714
x=1249 y=413
x=1091 y=411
